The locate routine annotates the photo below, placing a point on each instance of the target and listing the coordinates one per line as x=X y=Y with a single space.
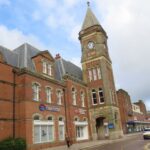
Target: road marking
x=147 y=146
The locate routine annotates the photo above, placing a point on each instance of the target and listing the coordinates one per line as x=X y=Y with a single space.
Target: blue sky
x=55 y=24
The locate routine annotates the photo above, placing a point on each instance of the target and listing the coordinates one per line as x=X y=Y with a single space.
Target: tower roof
x=90 y=19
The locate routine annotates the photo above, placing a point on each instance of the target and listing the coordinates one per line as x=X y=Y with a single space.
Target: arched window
x=74 y=100
x=101 y=96
x=49 y=94
x=94 y=97
x=61 y=129
x=36 y=91
x=82 y=99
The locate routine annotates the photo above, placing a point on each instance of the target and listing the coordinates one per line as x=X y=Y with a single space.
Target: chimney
x=57 y=56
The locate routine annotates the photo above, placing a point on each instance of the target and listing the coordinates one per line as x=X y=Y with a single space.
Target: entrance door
x=100 y=127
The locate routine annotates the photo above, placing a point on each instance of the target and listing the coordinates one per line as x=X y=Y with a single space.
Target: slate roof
x=64 y=67
x=25 y=53
x=90 y=20
x=9 y=56
x=21 y=57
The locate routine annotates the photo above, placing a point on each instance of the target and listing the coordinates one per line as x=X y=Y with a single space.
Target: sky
x=54 y=25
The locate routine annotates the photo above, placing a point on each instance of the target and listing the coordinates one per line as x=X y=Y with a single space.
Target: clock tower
x=98 y=75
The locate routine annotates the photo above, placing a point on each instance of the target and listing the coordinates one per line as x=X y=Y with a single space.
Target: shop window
x=43 y=130
x=36 y=91
x=49 y=94
x=59 y=97
x=50 y=118
x=79 y=132
x=94 y=97
x=36 y=117
x=74 y=100
x=61 y=129
x=82 y=99
x=101 y=96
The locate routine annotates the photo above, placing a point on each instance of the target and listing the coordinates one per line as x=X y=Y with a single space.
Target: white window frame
x=74 y=97
x=94 y=74
x=40 y=124
x=49 y=94
x=49 y=69
x=82 y=99
x=100 y=90
x=36 y=91
x=90 y=75
x=99 y=73
x=44 y=67
x=82 y=133
x=59 y=97
x=61 y=124
x=92 y=96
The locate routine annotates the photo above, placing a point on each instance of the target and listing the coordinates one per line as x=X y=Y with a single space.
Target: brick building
x=125 y=107
x=42 y=98
x=142 y=106
x=133 y=117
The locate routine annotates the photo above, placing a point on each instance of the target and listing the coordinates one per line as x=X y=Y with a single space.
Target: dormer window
x=47 y=68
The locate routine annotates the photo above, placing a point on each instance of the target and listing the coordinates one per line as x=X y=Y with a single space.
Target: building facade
x=42 y=98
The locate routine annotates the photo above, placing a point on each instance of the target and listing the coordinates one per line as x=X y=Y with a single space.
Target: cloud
x=12 y=38
x=4 y=2
x=128 y=27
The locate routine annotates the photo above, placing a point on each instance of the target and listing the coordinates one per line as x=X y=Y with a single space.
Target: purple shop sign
x=42 y=107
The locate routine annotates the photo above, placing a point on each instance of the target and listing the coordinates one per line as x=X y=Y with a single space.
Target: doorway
x=100 y=128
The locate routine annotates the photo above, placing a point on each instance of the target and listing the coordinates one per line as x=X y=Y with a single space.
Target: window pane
x=61 y=132
x=50 y=133
x=94 y=74
x=36 y=134
x=44 y=135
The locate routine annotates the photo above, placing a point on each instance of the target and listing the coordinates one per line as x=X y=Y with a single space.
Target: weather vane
x=88 y=3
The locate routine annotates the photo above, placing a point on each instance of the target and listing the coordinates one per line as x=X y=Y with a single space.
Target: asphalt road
x=132 y=143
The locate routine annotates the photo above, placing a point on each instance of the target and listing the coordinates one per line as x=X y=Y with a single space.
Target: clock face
x=90 y=45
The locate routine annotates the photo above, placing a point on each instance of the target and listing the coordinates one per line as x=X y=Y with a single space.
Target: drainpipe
x=66 y=120
x=14 y=105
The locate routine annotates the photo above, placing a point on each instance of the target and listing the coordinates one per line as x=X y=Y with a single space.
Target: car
x=146 y=133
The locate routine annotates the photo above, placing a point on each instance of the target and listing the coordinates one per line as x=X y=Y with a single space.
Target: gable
x=46 y=55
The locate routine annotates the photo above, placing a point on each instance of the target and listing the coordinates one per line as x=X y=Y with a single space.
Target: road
x=132 y=143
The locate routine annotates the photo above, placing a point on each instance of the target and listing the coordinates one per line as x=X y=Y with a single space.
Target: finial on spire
x=88 y=3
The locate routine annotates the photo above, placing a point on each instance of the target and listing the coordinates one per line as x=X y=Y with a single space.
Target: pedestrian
x=67 y=140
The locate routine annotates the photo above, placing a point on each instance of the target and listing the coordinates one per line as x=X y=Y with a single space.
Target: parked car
x=146 y=133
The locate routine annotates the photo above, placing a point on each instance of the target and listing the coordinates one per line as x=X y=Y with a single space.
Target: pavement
x=92 y=144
